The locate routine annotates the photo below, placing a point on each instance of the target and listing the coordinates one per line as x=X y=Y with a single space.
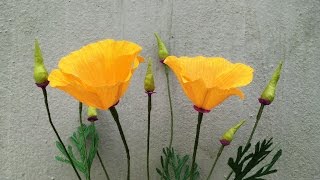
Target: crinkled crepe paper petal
x=98 y=74
x=209 y=81
x=101 y=97
x=103 y=63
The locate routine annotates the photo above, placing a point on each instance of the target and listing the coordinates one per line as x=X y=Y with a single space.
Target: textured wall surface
x=258 y=33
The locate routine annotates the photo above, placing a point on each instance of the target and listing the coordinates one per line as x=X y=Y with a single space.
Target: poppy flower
x=208 y=81
x=99 y=73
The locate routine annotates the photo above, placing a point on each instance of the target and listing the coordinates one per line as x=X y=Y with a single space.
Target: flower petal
x=236 y=76
x=75 y=88
x=216 y=96
x=103 y=63
x=207 y=69
x=195 y=91
x=209 y=81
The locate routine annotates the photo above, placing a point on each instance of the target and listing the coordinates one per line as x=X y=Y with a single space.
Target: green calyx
x=162 y=50
x=40 y=73
x=269 y=92
x=149 y=79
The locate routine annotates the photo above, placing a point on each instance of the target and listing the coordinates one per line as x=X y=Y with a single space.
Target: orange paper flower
x=98 y=74
x=209 y=81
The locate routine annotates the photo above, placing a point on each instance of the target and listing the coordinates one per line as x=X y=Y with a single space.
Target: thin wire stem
x=56 y=132
x=200 y=115
x=116 y=119
x=84 y=140
x=103 y=167
x=256 y=123
x=252 y=132
x=215 y=161
x=100 y=160
x=170 y=104
x=148 y=137
x=229 y=175
x=80 y=113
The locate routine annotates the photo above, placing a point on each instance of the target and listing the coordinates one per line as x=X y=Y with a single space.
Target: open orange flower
x=98 y=74
x=209 y=81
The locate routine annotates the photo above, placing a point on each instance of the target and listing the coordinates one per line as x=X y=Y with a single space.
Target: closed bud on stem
x=269 y=92
x=162 y=50
x=149 y=79
x=228 y=135
x=92 y=114
x=40 y=73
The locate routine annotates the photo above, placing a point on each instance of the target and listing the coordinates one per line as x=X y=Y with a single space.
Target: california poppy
x=99 y=73
x=208 y=81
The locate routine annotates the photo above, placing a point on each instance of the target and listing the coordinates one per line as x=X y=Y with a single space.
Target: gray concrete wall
x=257 y=33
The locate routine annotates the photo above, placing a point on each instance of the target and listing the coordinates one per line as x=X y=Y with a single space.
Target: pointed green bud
x=269 y=92
x=149 y=79
x=228 y=135
x=40 y=74
x=92 y=114
x=162 y=50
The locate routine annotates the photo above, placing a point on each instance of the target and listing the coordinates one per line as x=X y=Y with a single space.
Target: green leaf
x=60 y=147
x=58 y=158
x=174 y=166
x=84 y=135
x=245 y=162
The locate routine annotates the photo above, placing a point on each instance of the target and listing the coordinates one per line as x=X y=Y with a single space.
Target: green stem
x=116 y=119
x=56 y=132
x=100 y=160
x=148 y=137
x=256 y=123
x=215 y=161
x=103 y=167
x=229 y=175
x=84 y=140
x=170 y=103
x=252 y=132
x=200 y=115
x=80 y=113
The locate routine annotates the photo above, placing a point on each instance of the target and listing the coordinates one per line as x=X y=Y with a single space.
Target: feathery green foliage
x=245 y=162
x=175 y=167
x=91 y=139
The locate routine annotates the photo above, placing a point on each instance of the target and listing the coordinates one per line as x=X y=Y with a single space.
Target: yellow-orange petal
x=110 y=95
x=103 y=63
x=214 y=71
x=236 y=76
x=193 y=68
x=205 y=98
x=195 y=91
x=73 y=87
x=216 y=96
x=207 y=82
x=102 y=97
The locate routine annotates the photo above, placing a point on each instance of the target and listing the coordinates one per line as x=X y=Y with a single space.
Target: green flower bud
x=149 y=80
x=269 y=92
x=228 y=135
x=92 y=114
x=40 y=74
x=162 y=50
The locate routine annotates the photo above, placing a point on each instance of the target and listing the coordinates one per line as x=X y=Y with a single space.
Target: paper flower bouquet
x=98 y=75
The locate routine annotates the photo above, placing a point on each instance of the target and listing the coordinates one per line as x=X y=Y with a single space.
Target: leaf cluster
x=174 y=166
x=83 y=137
x=245 y=161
